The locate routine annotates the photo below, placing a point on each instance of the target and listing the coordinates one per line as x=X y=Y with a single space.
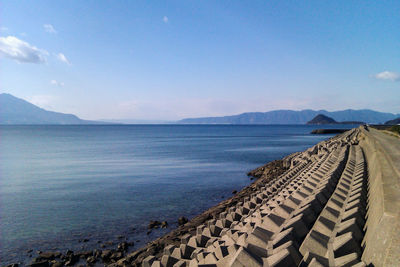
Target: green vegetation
x=395 y=129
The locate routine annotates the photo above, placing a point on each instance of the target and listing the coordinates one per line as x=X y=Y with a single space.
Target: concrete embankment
x=337 y=205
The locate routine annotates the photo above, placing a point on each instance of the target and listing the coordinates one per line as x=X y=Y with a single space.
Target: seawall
x=338 y=204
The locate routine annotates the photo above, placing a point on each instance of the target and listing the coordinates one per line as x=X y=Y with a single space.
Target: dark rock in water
x=106 y=254
x=116 y=255
x=84 y=254
x=69 y=252
x=182 y=220
x=164 y=224
x=154 y=224
x=148 y=232
x=43 y=263
x=71 y=260
x=97 y=253
x=124 y=246
x=234 y=191
x=29 y=251
x=56 y=264
x=120 y=237
x=85 y=240
x=328 y=131
x=91 y=260
x=48 y=255
x=13 y=265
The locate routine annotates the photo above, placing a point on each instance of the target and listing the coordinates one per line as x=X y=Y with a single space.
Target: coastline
x=341 y=191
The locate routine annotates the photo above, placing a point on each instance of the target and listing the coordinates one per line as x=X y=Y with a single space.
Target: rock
x=120 y=237
x=116 y=256
x=123 y=246
x=13 y=264
x=29 y=251
x=48 y=255
x=97 y=253
x=85 y=240
x=43 y=263
x=148 y=232
x=56 y=264
x=182 y=220
x=234 y=191
x=154 y=224
x=84 y=254
x=71 y=259
x=105 y=255
x=164 y=224
x=91 y=259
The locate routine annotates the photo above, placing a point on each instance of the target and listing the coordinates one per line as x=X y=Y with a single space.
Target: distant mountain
x=15 y=110
x=322 y=119
x=295 y=117
x=393 y=122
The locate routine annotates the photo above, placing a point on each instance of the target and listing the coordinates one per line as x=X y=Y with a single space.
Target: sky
x=168 y=60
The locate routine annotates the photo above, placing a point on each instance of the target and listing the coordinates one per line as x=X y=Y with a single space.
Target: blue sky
x=168 y=60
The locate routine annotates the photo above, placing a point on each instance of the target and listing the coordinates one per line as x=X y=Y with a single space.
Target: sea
x=84 y=187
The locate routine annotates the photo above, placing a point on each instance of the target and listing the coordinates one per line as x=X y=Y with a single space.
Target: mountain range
x=15 y=110
x=295 y=117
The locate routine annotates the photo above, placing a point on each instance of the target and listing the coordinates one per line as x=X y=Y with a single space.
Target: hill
x=322 y=119
x=15 y=110
x=393 y=122
x=295 y=117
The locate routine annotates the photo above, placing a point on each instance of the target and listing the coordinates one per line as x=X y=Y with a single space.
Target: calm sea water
x=61 y=184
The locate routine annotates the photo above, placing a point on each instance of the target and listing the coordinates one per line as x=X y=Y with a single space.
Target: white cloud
x=21 y=51
x=63 y=58
x=56 y=83
x=388 y=76
x=43 y=101
x=165 y=19
x=49 y=28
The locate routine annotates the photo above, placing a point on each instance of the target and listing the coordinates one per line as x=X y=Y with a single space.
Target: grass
x=395 y=129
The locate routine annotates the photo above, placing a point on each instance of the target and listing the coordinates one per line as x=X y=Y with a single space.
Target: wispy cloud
x=165 y=19
x=3 y=29
x=388 y=76
x=56 y=83
x=49 y=28
x=21 y=51
x=63 y=58
x=43 y=101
